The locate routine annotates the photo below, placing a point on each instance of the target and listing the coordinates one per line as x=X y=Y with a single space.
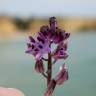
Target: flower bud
x=62 y=75
x=53 y=22
x=39 y=67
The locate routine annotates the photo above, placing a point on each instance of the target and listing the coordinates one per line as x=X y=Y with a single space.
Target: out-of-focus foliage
x=10 y=25
x=23 y=24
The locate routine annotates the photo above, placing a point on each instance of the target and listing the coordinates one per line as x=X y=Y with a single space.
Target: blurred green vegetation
x=23 y=24
x=10 y=25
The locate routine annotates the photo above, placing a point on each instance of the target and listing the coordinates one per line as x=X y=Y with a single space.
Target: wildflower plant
x=41 y=44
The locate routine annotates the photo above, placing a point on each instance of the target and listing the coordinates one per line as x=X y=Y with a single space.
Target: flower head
x=38 y=46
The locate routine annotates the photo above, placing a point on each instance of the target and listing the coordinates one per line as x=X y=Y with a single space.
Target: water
x=17 y=68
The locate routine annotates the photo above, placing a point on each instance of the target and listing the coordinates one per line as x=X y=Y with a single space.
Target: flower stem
x=49 y=70
x=44 y=75
x=44 y=59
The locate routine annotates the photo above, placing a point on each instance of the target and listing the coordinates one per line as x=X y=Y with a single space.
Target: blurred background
x=21 y=18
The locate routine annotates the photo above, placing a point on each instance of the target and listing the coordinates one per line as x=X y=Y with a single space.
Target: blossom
x=50 y=88
x=39 y=67
x=39 y=46
x=62 y=75
x=60 y=51
x=10 y=92
x=56 y=34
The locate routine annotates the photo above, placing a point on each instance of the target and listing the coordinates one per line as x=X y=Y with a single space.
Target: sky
x=48 y=7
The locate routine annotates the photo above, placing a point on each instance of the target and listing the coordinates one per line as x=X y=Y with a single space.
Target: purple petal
x=31 y=39
x=58 y=37
x=29 y=45
x=66 y=35
x=38 y=56
x=60 y=52
x=28 y=51
x=55 y=39
x=40 y=39
x=62 y=55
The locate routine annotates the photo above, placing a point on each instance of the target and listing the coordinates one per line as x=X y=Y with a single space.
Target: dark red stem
x=49 y=70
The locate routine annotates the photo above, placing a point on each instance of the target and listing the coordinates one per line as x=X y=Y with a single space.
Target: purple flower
x=39 y=67
x=58 y=35
x=62 y=75
x=39 y=46
x=60 y=52
x=55 y=34
x=50 y=88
